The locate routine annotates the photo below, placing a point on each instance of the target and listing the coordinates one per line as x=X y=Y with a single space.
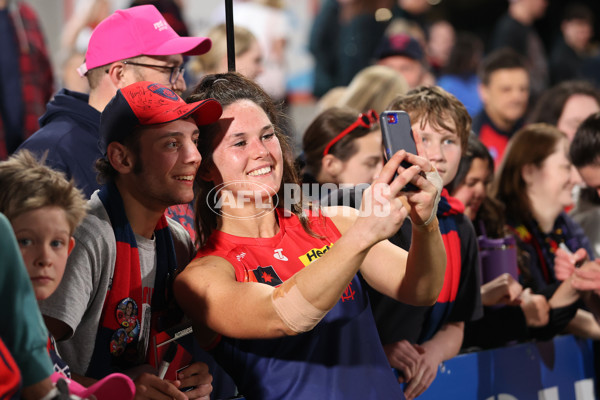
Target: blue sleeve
x=22 y=328
x=41 y=144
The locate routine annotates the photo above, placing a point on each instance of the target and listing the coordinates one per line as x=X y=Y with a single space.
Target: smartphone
x=397 y=135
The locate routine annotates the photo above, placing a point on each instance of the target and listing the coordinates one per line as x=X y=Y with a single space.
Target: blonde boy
x=44 y=209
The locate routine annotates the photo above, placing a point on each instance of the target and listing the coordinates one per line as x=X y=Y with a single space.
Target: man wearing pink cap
x=116 y=295
x=130 y=45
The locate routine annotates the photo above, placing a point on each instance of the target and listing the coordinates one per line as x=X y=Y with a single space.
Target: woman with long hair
x=535 y=183
x=274 y=288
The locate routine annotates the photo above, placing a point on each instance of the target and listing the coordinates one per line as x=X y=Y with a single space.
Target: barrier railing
x=560 y=369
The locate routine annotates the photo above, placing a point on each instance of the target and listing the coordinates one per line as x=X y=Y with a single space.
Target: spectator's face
x=45 y=241
x=549 y=186
x=136 y=73
x=441 y=41
x=415 y=7
x=474 y=190
x=577 y=108
x=412 y=70
x=591 y=176
x=163 y=171
x=366 y=163
x=505 y=97
x=537 y=8
x=250 y=63
x=442 y=148
x=577 y=33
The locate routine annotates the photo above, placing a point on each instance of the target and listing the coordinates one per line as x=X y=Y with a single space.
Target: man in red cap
x=116 y=294
x=130 y=45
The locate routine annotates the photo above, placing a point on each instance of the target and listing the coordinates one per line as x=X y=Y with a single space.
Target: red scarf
x=125 y=327
x=448 y=208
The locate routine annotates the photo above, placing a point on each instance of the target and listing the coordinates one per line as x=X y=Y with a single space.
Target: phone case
x=397 y=133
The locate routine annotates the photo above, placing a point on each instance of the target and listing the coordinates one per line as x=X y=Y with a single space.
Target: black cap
x=400 y=44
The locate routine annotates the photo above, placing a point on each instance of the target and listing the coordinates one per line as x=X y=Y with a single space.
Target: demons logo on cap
x=163 y=91
x=399 y=42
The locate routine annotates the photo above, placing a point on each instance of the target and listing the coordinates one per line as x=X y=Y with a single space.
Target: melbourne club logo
x=266 y=275
x=163 y=91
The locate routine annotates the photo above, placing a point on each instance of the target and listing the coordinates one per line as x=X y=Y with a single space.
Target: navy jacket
x=69 y=132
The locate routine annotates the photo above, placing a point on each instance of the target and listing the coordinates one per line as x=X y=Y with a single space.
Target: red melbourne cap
x=147 y=103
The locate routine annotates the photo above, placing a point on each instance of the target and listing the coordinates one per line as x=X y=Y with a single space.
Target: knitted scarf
x=448 y=208
x=126 y=321
x=545 y=244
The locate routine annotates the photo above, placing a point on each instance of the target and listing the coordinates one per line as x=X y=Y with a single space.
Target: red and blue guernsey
x=440 y=312
x=10 y=384
x=341 y=358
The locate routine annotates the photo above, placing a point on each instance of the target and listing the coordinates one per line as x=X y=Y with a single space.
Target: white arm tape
x=294 y=310
x=436 y=180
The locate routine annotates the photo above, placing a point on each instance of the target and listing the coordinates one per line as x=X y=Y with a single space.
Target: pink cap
x=137 y=31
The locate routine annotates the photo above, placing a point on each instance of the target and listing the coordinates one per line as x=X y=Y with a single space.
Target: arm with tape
x=302 y=315
x=208 y=292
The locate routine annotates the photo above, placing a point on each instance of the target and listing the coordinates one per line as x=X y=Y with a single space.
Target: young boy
x=417 y=339
x=44 y=209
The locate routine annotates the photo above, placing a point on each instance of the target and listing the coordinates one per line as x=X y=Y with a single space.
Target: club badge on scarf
x=132 y=313
x=127 y=317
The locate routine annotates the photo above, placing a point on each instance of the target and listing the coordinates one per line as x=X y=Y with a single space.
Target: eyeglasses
x=175 y=70
x=365 y=120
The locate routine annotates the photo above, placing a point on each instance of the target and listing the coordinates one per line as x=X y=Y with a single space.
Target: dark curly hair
x=228 y=88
